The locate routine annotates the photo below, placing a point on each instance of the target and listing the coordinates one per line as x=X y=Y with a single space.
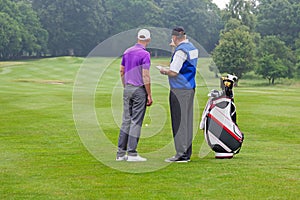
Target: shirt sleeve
x=146 y=61
x=178 y=60
x=123 y=61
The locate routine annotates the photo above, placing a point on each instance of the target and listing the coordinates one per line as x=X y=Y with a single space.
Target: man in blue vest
x=181 y=76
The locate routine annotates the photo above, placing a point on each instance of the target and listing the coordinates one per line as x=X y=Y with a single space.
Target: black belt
x=135 y=86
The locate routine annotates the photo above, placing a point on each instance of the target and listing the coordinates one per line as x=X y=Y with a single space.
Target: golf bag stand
x=219 y=121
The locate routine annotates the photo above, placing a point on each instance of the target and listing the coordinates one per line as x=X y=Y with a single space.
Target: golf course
x=58 y=136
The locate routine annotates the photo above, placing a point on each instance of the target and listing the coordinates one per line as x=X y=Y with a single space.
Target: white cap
x=144 y=34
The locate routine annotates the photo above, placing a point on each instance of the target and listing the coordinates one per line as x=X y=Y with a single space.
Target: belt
x=135 y=86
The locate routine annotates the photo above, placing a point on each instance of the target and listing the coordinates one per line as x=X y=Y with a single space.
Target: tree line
x=74 y=27
x=246 y=35
x=261 y=36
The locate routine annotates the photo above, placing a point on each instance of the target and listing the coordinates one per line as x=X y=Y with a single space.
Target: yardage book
x=160 y=67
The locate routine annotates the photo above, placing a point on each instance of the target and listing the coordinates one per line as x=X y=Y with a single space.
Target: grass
x=44 y=155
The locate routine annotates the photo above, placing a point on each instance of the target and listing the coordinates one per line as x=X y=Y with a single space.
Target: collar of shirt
x=139 y=45
x=184 y=41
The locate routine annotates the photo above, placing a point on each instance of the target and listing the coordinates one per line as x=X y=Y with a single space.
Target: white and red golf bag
x=219 y=121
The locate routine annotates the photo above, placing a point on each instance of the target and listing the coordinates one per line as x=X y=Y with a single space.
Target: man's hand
x=149 y=100
x=147 y=84
x=164 y=71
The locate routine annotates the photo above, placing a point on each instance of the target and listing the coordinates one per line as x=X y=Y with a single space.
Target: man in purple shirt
x=135 y=77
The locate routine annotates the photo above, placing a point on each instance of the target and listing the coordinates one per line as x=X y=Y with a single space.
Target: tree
x=10 y=36
x=241 y=10
x=297 y=53
x=74 y=26
x=275 y=59
x=235 y=53
x=21 y=31
x=128 y=14
x=271 y=68
x=214 y=68
x=200 y=18
x=34 y=37
x=280 y=18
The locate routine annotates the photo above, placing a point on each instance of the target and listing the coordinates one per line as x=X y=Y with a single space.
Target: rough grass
x=42 y=156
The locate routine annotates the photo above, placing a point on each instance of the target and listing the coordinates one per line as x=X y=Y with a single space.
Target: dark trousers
x=134 y=108
x=181 y=107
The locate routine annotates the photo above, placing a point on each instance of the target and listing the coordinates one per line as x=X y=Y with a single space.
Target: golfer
x=135 y=77
x=181 y=76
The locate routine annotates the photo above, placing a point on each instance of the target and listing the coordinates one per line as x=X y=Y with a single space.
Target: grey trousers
x=134 y=108
x=181 y=107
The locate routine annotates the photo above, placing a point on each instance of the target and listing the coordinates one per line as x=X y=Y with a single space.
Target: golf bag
x=219 y=121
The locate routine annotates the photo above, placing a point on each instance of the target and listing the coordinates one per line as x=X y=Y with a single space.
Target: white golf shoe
x=122 y=158
x=136 y=159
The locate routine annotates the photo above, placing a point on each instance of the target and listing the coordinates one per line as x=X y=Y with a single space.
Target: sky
x=221 y=3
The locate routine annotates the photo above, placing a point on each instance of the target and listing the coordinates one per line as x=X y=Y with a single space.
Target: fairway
x=46 y=154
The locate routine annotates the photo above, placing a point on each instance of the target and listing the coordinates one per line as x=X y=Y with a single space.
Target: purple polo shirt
x=135 y=59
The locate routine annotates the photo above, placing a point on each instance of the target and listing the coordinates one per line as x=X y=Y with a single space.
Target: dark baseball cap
x=177 y=31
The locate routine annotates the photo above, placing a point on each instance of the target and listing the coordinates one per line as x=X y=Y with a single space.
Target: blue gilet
x=186 y=76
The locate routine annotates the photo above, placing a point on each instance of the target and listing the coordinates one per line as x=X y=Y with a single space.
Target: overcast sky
x=221 y=3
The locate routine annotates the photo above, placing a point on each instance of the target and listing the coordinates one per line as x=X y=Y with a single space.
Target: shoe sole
x=178 y=161
x=136 y=160
x=182 y=161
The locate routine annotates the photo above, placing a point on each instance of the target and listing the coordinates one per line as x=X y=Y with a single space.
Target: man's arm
x=176 y=65
x=147 y=83
x=166 y=71
x=122 y=74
